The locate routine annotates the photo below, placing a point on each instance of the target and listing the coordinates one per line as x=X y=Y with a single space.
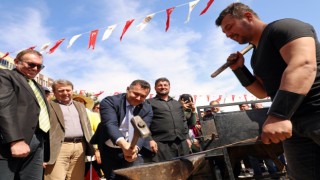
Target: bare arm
x=300 y=56
x=256 y=88
x=298 y=77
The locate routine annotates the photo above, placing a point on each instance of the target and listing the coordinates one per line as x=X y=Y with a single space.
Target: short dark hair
x=144 y=84
x=236 y=10
x=185 y=97
x=27 y=51
x=96 y=104
x=161 y=79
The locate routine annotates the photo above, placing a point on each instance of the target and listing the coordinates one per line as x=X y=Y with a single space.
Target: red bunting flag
x=245 y=97
x=195 y=98
x=82 y=92
x=126 y=27
x=207 y=7
x=98 y=94
x=169 y=11
x=55 y=46
x=5 y=55
x=93 y=38
x=32 y=47
x=219 y=99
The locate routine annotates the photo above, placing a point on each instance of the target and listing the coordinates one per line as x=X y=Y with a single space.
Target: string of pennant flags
x=108 y=30
x=201 y=98
x=206 y=99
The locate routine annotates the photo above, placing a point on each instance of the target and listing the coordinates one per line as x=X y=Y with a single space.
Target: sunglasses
x=32 y=65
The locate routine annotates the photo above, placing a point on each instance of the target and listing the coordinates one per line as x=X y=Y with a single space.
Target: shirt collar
x=158 y=97
x=69 y=104
x=128 y=104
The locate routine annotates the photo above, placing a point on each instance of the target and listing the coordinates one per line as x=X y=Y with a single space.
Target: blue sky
x=187 y=54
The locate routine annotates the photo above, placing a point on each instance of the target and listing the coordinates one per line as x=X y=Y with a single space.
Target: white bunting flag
x=145 y=21
x=191 y=7
x=108 y=32
x=44 y=47
x=73 y=39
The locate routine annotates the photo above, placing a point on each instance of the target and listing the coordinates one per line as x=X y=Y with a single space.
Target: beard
x=246 y=38
x=162 y=93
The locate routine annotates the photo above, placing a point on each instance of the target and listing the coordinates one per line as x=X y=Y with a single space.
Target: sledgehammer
x=141 y=130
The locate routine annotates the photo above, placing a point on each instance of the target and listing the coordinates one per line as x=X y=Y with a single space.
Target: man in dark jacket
x=24 y=119
x=169 y=126
x=115 y=132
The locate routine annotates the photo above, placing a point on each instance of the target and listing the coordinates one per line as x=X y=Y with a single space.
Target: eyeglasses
x=32 y=65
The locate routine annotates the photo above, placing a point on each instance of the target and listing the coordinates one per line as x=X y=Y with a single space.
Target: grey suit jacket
x=57 y=130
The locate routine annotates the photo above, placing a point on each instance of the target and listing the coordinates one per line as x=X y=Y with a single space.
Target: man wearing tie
x=24 y=119
x=115 y=131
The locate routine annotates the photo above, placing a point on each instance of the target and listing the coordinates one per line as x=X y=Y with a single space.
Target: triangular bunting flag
x=195 y=98
x=145 y=21
x=108 y=32
x=73 y=39
x=44 y=47
x=32 y=47
x=245 y=97
x=98 y=94
x=191 y=7
x=208 y=98
x=169 y=11
x=219 y=99
x=82 y=92
x=207 y=7
x=93 y=38
x=5 y=55
x=55 y=46
x=126 y=27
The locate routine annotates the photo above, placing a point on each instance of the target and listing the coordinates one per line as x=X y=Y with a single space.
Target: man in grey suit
x=21 y=104
x=69 y=135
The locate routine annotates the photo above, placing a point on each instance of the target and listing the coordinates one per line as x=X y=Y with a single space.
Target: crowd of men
x=48 y=137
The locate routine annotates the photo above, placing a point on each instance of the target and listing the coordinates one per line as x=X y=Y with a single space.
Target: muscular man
x=23 y=106
x=286 y=63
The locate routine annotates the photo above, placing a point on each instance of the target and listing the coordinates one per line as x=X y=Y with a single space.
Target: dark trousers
x=302 y=150
x=26 y=168
x=167 y=150
x=112 y=159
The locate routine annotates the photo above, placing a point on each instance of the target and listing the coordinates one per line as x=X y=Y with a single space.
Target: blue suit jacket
x=113 y=111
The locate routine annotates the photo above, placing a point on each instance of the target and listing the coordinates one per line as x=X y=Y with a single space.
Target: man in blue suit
x=115 y=132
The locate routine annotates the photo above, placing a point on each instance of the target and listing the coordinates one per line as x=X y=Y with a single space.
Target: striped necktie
x=44 y=122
